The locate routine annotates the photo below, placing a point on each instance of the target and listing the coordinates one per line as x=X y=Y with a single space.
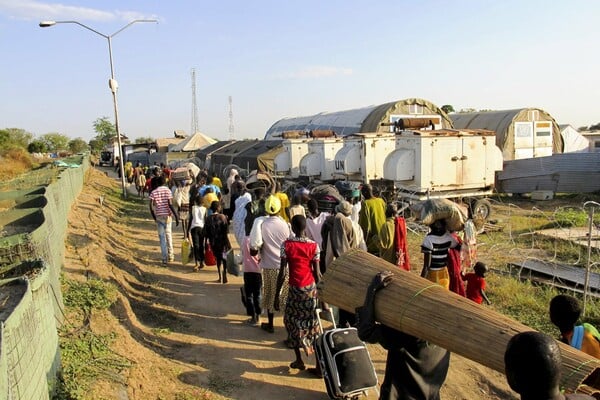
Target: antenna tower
x=231 y=129
x=194 y=105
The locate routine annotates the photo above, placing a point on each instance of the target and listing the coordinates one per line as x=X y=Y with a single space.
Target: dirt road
x=184 y=332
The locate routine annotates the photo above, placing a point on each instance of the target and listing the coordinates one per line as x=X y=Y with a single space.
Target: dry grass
x=14 y=162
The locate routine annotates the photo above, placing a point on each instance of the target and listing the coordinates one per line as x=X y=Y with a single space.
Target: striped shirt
x=438 y=246
x=160 y=197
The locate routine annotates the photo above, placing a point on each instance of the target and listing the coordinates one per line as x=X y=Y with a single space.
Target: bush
x=15 y=161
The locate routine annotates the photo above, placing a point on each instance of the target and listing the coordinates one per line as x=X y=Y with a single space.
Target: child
x=564 y=313
x=252 y=284
x=532 y=363
x=476 y=283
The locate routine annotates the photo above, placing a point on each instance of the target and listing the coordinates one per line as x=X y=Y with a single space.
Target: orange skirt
x=439 y=276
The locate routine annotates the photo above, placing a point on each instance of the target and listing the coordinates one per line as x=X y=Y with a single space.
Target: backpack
x=254 y=209
x=578 y=332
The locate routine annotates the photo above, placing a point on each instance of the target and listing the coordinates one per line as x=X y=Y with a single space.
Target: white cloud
x=37 y=10
x=319 y=71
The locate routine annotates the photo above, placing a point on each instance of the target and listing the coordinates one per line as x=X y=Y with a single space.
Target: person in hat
x=532 y=363
x=266 y=237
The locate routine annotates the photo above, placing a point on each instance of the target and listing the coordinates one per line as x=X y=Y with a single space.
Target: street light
x=112 y=82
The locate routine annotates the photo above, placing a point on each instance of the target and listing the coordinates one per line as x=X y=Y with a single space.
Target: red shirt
x=299 y=252
x=475 y=284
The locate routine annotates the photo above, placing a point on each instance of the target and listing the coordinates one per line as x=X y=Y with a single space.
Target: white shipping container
x=363 y=155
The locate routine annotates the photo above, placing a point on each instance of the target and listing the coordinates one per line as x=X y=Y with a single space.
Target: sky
x=279 y=59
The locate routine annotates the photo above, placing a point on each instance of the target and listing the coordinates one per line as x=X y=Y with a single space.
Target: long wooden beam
x=421 y=308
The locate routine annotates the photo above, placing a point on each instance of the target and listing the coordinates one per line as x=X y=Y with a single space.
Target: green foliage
x=55 y=141
x=96 y=146
x=85 y=358
x=90 y=295
x=37 y=146
x=595 y=127
x=448 y=108
x=78 y=145
x=144 y=140
x=105 y=130
x=11 y=138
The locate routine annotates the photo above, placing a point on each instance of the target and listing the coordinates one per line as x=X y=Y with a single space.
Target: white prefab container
x=287 y=163
x=444 y=163
x=319 y=163
x=362 y=157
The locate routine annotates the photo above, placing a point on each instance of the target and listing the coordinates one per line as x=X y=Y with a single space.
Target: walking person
x=415 y=368
x=181 y=198
x=252 y=283
x=435 y=247
x=162 y=210
x=196 y=231
x=371 y=217
x=216 y=227
x=266 y=237
x=300 y=256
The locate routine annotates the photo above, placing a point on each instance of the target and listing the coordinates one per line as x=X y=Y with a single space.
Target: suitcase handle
x=318 y=311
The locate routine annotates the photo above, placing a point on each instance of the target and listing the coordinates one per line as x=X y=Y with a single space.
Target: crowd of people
x=287 y=245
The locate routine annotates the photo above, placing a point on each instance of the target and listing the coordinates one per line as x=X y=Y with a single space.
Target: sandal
x=266 y=327
x=298 y=365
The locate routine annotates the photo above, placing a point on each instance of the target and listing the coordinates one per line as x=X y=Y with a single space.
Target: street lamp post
x=112 y=82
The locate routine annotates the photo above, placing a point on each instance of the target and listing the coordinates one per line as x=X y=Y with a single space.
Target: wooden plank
x=418 y=307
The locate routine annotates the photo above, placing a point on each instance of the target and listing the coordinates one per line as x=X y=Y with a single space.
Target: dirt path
x=184 y=332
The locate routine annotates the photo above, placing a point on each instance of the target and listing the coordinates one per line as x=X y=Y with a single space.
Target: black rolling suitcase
x=345 y=362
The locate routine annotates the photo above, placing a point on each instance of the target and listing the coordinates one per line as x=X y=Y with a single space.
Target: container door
x=473 y=162
x=542 y=139
x=523 y=140
x=446 y=164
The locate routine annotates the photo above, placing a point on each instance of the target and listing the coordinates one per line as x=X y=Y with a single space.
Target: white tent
x=574 y=141
x=193 y=143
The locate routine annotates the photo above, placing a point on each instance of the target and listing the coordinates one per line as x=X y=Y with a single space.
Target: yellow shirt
x=208 y=199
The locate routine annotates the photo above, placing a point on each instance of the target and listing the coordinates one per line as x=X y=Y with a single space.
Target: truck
x=106 y=159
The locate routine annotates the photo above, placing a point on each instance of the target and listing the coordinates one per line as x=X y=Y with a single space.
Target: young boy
x=532 y=363
x=476 y=283
x=564 y=313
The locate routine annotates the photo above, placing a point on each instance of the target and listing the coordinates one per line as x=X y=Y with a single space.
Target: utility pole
x=231 y=129
x=194 y=128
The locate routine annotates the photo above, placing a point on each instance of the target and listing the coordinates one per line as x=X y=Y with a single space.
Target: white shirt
x=198 y=216
x=267 y=235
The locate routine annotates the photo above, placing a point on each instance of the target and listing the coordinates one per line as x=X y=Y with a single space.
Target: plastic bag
x=185 y=251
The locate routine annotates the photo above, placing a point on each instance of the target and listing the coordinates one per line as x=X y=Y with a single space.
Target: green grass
x=87 y=356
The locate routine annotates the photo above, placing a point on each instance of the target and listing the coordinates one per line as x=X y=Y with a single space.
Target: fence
x=33 y=227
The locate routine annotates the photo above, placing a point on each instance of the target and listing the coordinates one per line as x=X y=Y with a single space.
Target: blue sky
x=290 y=58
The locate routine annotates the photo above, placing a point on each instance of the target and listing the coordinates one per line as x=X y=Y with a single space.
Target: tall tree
x=78 y=145
x=55 y=141
x=14 y=137
x=105 y=130
x=37 y=146
x=448 y=108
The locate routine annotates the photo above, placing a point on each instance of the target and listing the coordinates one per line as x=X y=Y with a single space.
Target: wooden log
x=421 y=308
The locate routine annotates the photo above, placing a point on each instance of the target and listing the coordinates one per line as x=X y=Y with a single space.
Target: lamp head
x=46 y=24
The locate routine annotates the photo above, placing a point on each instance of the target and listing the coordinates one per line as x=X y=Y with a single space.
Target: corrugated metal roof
x=501 y=122
x=348 y=122
x=565 y=173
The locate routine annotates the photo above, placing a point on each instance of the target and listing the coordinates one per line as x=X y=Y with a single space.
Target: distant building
x=520 y=133
x=574 y=142
x=593 y=138
x=361 y=120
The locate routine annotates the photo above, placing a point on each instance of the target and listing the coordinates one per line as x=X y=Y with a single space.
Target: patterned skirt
x=300 y=317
